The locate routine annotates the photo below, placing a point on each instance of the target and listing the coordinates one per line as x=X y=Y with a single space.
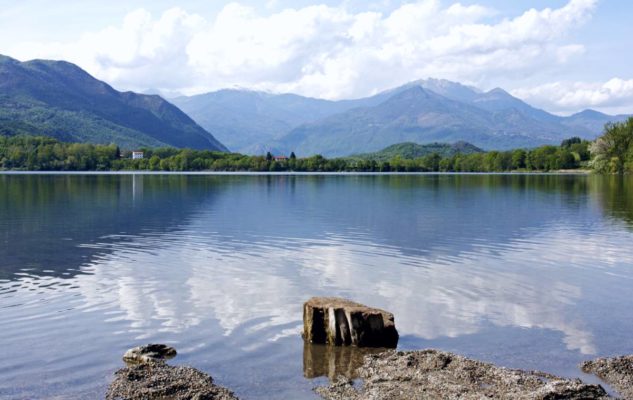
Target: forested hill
x=411 y=151
x=59 y=99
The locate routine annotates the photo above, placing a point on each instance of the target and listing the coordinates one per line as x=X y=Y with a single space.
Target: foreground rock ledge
x=340 y=322
x=157 y=380
x=147 y=376
x=616 y=371
x=432 y=374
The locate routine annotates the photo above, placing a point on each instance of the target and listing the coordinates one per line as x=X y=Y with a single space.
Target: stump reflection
x=333 y=361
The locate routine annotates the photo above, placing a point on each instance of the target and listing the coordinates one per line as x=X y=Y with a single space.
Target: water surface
x=527 y=271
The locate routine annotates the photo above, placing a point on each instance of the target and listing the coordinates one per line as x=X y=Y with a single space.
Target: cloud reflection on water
x=183 y=281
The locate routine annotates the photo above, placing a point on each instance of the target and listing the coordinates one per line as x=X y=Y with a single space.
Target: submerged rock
x=157 y=380
x=149 y=353
x=616 y=371
x=147 y=376
x=432 y=374
x=341 y=322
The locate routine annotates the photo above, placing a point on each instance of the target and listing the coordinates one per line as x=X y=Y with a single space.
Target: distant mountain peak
x=589 y=113
x=499 y=91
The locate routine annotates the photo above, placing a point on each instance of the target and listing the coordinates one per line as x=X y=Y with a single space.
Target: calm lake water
x=525 y=271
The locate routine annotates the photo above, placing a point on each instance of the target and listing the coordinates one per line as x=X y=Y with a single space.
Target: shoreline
x=299 y=173
x=382 y=374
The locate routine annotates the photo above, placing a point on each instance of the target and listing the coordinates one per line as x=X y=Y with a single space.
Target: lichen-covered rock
x=157 y=380
x=149 y=353
x=341 y=322
x=431 y=374
x=616 y=371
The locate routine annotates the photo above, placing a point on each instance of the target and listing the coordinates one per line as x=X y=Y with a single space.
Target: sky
x=560 y=55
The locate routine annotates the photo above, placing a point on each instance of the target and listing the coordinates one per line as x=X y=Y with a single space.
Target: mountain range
x=59 y=99
x=424 y=111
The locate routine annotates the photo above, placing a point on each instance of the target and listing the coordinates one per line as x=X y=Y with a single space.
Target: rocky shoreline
x=344 y=341
x=433 y=374
x=157 y=380
x=389 y=374
x=616 y=371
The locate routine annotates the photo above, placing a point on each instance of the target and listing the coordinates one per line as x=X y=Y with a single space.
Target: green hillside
x=411 y=151
x=59 y=99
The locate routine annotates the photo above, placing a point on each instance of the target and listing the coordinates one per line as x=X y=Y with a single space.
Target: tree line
x=611 y=153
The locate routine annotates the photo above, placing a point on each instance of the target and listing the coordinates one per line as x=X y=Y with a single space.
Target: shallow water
x=527 y=271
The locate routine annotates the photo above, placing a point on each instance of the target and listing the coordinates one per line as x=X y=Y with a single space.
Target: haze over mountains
x=59 y=99
x=424 y=111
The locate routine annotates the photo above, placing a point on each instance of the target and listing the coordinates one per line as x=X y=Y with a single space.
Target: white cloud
x=320 y=50
x=614 y=95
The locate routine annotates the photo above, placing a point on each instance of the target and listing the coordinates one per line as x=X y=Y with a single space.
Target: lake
x=527 y=271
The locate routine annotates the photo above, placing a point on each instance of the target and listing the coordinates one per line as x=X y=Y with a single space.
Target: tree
x=518 y=159
x=269 y=157
x=613 y=151
x=293 y=156
x=570 y=141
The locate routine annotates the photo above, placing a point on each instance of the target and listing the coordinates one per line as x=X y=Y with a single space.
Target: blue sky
x=562 y=55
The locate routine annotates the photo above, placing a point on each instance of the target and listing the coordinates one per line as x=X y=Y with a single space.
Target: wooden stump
x=341 y=322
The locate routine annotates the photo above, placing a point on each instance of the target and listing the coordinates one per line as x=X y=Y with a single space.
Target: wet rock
x=616 y=371
x=157 y=380
x=149 y=353
x=431 y=374
x=341 y=322
x=147 y=376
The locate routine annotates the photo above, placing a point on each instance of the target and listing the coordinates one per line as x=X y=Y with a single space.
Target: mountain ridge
x=509 y=121
x=61 y=100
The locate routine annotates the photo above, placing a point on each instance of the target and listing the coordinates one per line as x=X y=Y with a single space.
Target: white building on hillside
x=137 y=155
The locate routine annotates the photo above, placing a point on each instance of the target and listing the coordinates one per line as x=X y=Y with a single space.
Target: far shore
x=290 y=173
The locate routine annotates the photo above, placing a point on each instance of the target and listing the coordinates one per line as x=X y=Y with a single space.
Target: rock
x=334 y=361
x=157 y=380
x=149 y=353
x=432 y=374
x=616 y=371
x=340 y=322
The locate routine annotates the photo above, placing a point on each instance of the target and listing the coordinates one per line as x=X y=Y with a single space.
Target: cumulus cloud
x=614 y=95
x=321 y=50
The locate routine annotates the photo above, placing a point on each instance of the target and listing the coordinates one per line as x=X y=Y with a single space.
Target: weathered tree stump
x=340 y=322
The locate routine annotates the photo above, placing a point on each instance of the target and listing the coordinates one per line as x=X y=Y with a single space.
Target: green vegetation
x=60 y=100
x=44 y=154
x=613 y=151
x=411 y=151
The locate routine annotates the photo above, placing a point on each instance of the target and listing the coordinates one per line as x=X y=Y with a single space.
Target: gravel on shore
x=432 y=374
x=157 y=380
